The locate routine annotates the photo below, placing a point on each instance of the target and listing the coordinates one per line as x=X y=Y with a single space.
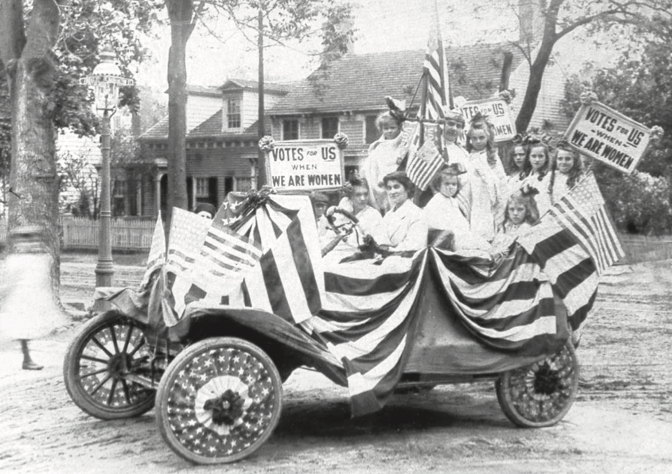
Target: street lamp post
x=105 y=80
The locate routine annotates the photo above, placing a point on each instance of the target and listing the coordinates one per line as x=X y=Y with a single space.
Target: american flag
x=574 y=243
x=436 y=77
x=224 y=251
x=582 y=212
x=425 y=163
x=157 y=251
x=187 y=233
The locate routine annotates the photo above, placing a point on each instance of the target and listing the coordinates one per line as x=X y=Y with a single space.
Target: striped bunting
x=288 y=280
x=583 y=213
x=370 y=312
x=567 y=264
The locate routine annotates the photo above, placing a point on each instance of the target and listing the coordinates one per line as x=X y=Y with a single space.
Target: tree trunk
x=533 y=88
x=180 y=13
x=537 y=68
x=30 y=289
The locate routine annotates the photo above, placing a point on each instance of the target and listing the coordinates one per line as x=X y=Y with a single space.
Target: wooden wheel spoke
x=94 y=359
x=110 y=397
x=127 y=394
x=91 y=374
x=100 y=384
x=102 y=347
x=137 y=348
x=127 y=339
x=114 y=339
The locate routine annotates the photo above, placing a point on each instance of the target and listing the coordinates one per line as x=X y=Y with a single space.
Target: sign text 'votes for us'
x=305 y=165
x=498 y=113
x=608 y=136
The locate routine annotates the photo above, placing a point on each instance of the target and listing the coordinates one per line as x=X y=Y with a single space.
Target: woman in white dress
x=404 y=226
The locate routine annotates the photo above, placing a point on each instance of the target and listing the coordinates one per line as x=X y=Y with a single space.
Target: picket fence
x=125 y=234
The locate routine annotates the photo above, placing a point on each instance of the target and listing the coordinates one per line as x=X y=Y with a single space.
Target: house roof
x=211 y=128
x=361 y=81
x=269 y=87
x=203 y=90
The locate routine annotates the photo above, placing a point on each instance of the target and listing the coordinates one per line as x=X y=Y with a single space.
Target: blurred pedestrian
x=28 y=308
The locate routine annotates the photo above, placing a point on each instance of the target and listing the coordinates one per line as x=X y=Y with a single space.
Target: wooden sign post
x=305 y=165
x=608 y=136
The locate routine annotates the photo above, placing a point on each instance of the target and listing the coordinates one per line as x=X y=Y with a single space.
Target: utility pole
x=261 y=161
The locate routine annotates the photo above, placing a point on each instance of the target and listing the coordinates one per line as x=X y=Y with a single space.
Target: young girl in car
x=520 y=215
x=485 y=176
x=443 y=212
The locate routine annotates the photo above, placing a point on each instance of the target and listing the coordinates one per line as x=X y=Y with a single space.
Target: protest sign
x=498 y=113
x=305 y=165
x=608 y=136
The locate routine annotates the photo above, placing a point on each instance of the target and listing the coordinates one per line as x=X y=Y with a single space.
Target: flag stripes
x=187 y=232
x=227 y=251
x=436 y=77
x=424 y=164
x=566 y=263
x=582 y=211
x=509 y=307
x=288 y=280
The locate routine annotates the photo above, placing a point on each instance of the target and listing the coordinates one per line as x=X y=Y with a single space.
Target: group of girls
x=533 y=165
x=474 y=199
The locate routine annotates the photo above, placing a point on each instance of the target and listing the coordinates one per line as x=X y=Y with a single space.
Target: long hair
x=511 y=167
x=479 y=122
x=524 y=196
x=577 y=167
x=527 y=169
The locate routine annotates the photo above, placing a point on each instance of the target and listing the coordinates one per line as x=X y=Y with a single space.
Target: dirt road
x=621 y=422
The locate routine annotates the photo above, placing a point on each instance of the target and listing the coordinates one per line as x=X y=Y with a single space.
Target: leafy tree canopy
x=86 y=27
x=639 y=86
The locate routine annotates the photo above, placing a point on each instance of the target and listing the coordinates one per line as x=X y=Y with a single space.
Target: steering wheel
x=329 y=214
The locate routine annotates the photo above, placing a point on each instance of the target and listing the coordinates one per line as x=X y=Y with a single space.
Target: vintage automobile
x=212 y=358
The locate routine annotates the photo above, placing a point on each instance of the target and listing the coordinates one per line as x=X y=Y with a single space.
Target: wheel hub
x=546 y=380
x=226 y=408
x=119 y=365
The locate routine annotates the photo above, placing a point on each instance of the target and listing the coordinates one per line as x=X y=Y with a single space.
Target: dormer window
x=233 y=112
